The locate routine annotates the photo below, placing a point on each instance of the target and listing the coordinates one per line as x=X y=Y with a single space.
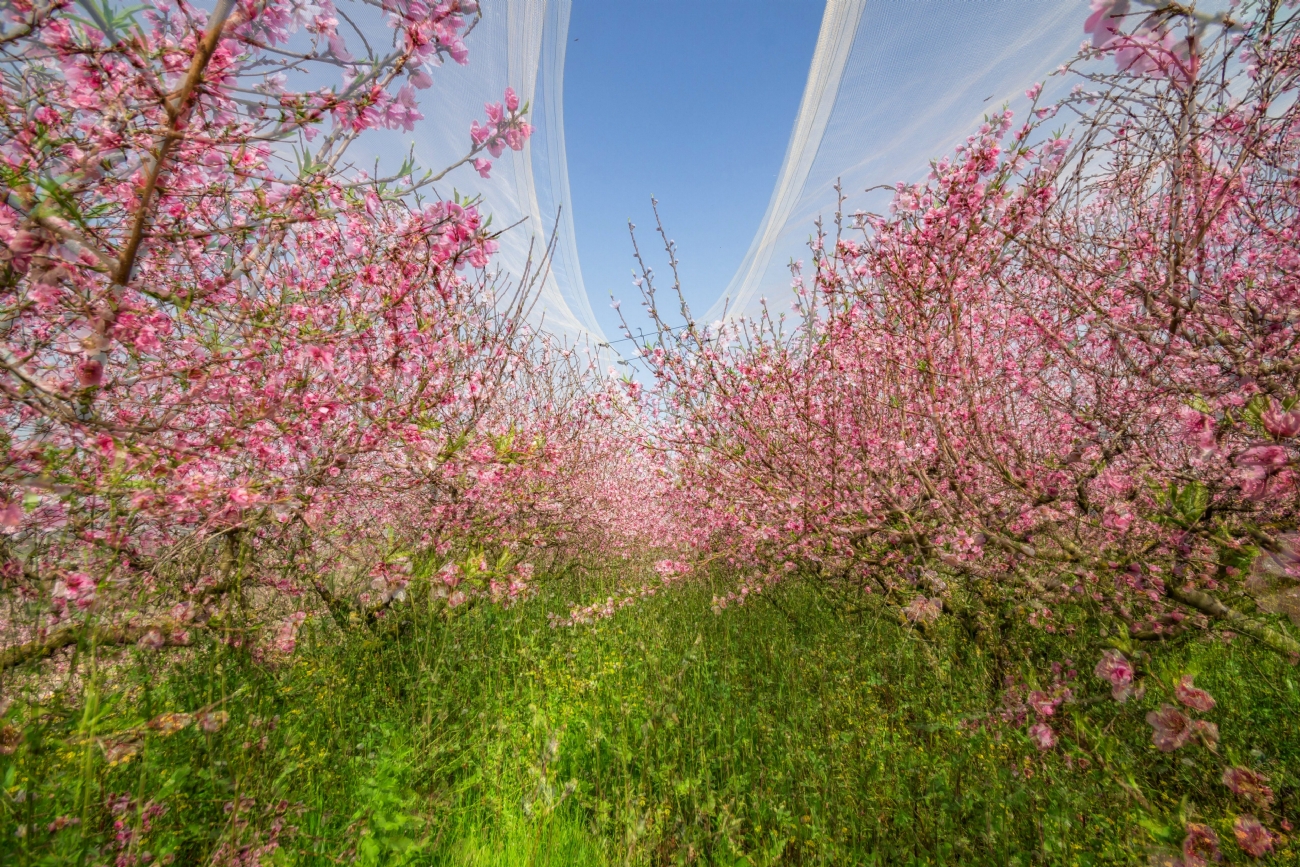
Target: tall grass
x=786 y=731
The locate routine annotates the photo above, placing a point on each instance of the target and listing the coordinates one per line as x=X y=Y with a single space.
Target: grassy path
x=667 y=734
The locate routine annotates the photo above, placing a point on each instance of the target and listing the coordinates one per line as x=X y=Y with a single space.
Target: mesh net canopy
x=519 y=44
x=893 y=85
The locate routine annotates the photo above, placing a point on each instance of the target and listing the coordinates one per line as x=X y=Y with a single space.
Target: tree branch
x=80 y=633
x=176 y=109
x=1266 y=635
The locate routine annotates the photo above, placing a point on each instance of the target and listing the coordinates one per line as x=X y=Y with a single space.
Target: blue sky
x=691 y=102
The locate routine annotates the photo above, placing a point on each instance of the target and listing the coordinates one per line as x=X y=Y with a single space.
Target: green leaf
x=1190 y=502
x=1239 y=558
x=1161 y=832
x=1251 y=413
x=173 y=784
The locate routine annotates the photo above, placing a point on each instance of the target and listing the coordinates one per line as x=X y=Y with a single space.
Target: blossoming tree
x=1057 y=378
x=1060 y=366
x=234 y=371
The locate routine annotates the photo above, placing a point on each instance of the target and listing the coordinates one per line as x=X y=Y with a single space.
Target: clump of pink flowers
x=505 y=128
x=1118 y=672
x=1171 y=728
x=671 y=570
x=1250 y=785
x=1200 y=846
x=1190 y=696
x=923 y=609
x=1253 y=838
x=286 y=637
x=294 y=366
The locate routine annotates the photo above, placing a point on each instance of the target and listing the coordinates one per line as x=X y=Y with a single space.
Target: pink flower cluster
x=505 y=128
x=671 y=570
x=296 y=368
x=1118 y=671
x=981 y=384
x=1022 y=704
x=1161 y=45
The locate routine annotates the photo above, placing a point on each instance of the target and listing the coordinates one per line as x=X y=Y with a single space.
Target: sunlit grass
x=781 y=732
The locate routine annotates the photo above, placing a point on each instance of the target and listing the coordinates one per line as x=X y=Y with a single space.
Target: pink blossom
x=77 y=588
x=339 y=47
x=1200 y=846
x=483 y=167
x=286 y=639
x=1117 y=517
x=1190 y=696
x=146 y=339
x=1264 y=457
x=1148 y=50
x=242 y=498
x=1199 y=430
x=24 y=243
x=323 y=356
x=1251 y=785
x=1105 y=21
x=421 y=78
x=1281 y=423
x=46 y=296
x=212 y=721
x=277 y=193
x=402 y=112
x=512 y=100
x=923 y=610
x=1253 y=838
x=1042 y=703
x=90 y=372
x=451 y=575
x=1171 y=728
x=456 y=599
x=1118 y=671
x=1259 y=471
x=670 y=570
x=1042 y=735
x=11 y=516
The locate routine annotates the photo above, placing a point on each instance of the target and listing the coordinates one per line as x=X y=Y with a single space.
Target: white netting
x=520 y=44
x=894 y=84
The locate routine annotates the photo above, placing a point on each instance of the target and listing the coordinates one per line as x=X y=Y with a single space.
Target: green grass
x=782 y=732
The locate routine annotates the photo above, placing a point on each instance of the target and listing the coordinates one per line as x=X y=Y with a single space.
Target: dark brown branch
x=80 y=633
x=176 y=111
x=1266 y=635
